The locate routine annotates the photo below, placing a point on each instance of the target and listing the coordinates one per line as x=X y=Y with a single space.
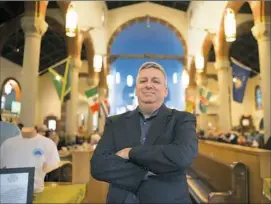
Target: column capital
x=262 y=31
x=76 y=63
x=33 y=26
x=223 y=63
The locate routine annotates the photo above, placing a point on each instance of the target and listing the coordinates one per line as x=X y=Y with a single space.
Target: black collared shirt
x=145 y=124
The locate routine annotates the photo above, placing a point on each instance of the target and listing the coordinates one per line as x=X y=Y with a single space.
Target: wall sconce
x=8 y=88
x=98 y=63
x=71 y=21
x=199 y=62
x=230 y=25
x=117 y=78
x=175 y=78
x=130 y=80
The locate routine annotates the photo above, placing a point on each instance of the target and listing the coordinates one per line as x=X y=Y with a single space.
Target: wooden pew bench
x=211 y=181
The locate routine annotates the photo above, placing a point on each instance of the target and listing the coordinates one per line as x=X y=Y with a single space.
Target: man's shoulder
x=9 y=128
x=119 y=117
x=184 y=115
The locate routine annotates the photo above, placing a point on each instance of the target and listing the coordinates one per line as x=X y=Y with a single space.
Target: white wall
x=237 y=109
x=117 y=17
x=9 y=69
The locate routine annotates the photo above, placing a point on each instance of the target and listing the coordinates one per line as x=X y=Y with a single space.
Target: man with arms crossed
x=143 y=154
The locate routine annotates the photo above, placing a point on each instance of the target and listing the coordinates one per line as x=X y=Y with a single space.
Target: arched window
x=3 y=102
x=258 y=97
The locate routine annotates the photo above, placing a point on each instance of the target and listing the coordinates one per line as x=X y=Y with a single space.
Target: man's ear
x=166 y=92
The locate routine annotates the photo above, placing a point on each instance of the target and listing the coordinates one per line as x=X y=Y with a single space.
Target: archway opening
x=138 y=39
x=11 y=100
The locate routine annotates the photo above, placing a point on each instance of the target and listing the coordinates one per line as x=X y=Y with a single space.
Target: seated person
x=255 y=139
x=42 y=129
x=20 y=126
x=30 y=149
x=7 y=130
x=54 y=136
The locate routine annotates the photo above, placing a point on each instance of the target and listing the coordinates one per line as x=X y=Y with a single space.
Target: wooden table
x=61 y=193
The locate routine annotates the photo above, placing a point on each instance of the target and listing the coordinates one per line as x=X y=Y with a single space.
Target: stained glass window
x=258 y=97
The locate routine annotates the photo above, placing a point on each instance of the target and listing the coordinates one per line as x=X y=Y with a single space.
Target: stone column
x=261 y=32
x=90 y=121
x=202 y=82
x=224 y=85
x=72 y=119
x=33 y=28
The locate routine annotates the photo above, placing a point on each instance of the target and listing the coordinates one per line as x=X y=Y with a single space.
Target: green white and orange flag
x=93 y=99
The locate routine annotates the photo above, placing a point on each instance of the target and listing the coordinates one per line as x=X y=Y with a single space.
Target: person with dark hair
x=7 y=130
x=20 y=126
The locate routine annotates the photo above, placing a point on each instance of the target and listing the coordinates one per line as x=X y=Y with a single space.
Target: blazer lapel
x=132 y=126
x=158 y=126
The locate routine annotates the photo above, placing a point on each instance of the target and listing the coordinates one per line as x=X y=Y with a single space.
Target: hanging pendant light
x=71 y=21
x=98 y=63
x=199 y=63
x=230 y=25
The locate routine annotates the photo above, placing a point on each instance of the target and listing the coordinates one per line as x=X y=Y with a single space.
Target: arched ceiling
x=53 y=44
x=179 y=5
x=53 y=47
x=245 y=47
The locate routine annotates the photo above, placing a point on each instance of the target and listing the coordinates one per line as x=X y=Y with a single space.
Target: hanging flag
x=105 y=107
x=93 y=99
x=62 y=81
x=204 y=98
x=240 y=74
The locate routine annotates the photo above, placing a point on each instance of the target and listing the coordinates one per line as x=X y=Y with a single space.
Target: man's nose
x=148 y=85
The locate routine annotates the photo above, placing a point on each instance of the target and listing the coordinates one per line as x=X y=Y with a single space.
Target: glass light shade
x=230 y=25
x=130 y=80
x=8 y=88
x=199 y=62
x=185 y=78
x=71 y=21
x=98 y=63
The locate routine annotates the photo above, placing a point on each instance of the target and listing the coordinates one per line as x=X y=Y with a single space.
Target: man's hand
x=124 y=153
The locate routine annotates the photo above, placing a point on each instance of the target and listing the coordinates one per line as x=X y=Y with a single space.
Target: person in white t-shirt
x=35 y=151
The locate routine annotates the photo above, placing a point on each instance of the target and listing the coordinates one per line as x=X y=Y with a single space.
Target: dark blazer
x=170 y=147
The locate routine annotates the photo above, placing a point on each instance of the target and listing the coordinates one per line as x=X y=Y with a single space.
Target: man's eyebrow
x=155 y=77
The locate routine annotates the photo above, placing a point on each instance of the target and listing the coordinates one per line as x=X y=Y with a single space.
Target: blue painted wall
x=140 y=39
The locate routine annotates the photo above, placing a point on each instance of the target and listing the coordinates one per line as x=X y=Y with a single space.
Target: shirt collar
x=151 y=116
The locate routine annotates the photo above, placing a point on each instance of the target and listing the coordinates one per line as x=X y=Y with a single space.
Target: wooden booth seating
x=96 y=191
x=257 y=161
x=211 y=181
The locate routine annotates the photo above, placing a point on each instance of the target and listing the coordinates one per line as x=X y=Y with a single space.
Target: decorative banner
x=204 y=99
x=105 y=107
x=62 y=82
x=240 y=74
x=190 y=107
x=93 y=99
x=189 y=102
